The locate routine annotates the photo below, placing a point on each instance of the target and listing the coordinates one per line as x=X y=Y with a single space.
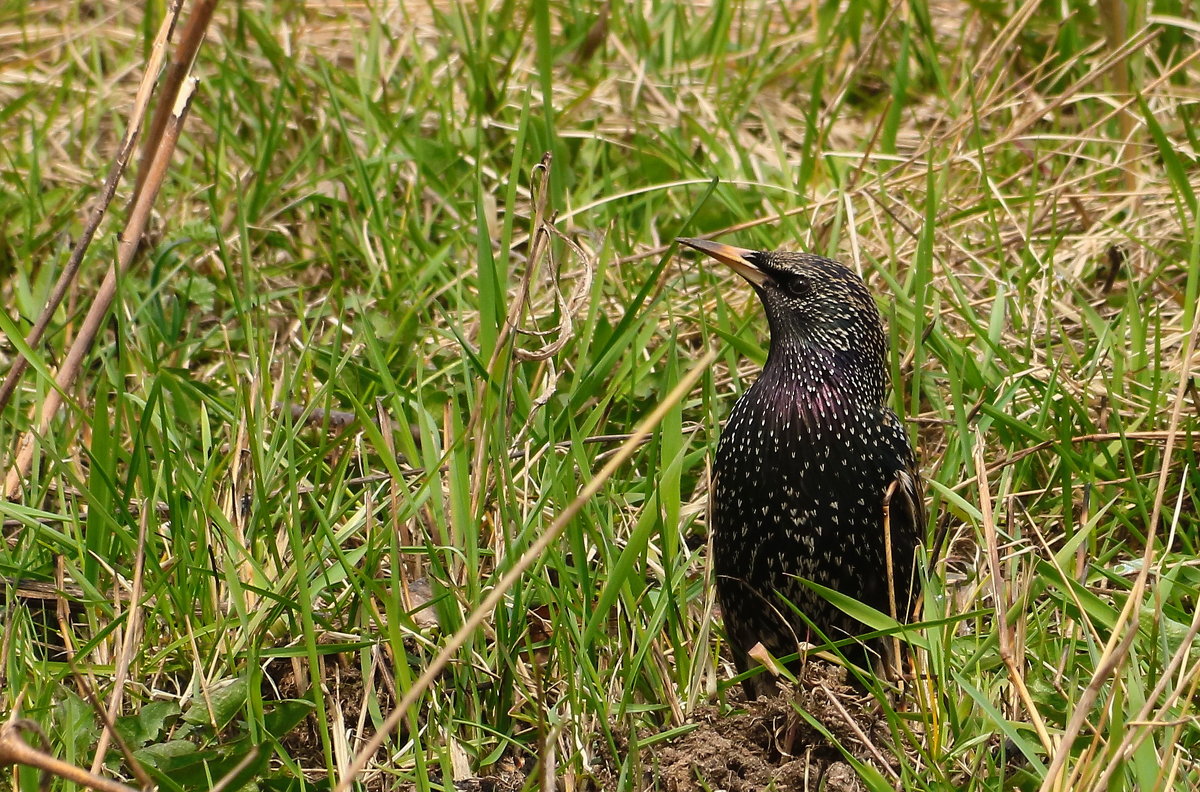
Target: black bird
x=809 y=460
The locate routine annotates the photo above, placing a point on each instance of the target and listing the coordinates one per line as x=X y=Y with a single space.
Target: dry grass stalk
x=107 y=191
x=173 y=108
x=127 y=248
x=130 y=639
x=15 y=751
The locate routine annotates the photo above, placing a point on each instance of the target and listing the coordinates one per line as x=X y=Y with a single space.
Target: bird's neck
x=800 y=368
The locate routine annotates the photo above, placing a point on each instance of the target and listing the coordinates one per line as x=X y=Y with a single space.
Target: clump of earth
x=767 y=744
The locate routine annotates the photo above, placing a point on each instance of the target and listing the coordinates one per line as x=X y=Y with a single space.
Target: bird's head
x=812 y=303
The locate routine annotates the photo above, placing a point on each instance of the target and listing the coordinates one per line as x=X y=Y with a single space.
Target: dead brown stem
x=15 y=751
x=126 y=248
x=107 y=191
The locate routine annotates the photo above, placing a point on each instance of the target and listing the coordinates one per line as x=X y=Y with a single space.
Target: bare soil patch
x=767 y=744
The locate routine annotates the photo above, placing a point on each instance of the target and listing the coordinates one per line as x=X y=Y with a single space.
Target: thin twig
x=15 y=751
x=127 y=247
x=181 y=64
x=107 y=191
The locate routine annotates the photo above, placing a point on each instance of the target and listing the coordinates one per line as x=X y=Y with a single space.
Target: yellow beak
x=737 y=259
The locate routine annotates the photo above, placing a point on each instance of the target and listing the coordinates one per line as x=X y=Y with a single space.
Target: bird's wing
x=906 y=519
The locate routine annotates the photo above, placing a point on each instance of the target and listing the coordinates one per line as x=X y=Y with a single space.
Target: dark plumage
x=808 y=458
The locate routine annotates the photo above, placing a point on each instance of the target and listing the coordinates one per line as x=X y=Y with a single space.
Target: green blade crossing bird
x=808 y=463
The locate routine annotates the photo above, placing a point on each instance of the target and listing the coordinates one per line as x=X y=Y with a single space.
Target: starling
x=808 y=465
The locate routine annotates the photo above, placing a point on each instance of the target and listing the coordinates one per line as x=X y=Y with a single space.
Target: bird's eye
x=796 y=286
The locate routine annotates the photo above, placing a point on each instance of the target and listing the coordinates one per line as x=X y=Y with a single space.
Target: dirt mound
x=768 y=744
